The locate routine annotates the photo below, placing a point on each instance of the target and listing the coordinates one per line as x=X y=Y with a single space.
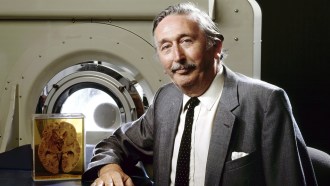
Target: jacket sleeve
x=130 y=143
x=284 y=154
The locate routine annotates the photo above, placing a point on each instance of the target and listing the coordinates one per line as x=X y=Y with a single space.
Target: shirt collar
x=209 y=98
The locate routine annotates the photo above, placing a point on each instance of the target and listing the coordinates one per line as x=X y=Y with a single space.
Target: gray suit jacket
x=252 y=116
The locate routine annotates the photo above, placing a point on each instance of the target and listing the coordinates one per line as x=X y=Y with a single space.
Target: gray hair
x=211 y=31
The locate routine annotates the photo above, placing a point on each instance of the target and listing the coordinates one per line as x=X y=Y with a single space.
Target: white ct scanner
x=97 y=58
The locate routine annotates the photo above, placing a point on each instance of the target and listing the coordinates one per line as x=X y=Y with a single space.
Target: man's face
x=182 y=50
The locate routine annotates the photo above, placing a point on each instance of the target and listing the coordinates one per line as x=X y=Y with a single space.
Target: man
x=242 y=133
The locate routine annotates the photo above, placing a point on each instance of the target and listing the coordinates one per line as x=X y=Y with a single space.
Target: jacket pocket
x=243 y=171
x=240 y=162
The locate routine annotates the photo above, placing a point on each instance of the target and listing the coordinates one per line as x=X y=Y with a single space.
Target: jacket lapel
x=222 y=129
x=168 y=132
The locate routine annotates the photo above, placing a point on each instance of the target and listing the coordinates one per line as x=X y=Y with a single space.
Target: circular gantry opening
x=98 y=90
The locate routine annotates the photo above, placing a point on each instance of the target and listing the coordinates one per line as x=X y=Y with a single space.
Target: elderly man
x=210 y=126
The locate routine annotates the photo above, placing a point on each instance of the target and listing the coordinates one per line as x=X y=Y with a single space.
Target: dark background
x=295 y=56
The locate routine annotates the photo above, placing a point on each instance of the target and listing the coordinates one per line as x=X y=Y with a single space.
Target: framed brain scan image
x=58 y=146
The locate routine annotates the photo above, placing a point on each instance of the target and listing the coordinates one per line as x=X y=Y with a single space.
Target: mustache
x=186 y=65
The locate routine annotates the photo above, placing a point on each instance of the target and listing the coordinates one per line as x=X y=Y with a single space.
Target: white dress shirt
x=201 y=131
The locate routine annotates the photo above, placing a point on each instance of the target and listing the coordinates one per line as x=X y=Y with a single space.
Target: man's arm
x=130 y=143
x=284 y=154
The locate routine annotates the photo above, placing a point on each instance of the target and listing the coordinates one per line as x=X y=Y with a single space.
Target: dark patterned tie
x=182 y=167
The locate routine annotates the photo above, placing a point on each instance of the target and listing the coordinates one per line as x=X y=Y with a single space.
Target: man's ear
x=217 y=49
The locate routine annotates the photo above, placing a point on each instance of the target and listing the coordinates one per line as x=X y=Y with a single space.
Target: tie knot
x=192 y=103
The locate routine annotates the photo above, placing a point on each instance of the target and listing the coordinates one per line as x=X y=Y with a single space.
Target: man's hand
x=112 y=175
